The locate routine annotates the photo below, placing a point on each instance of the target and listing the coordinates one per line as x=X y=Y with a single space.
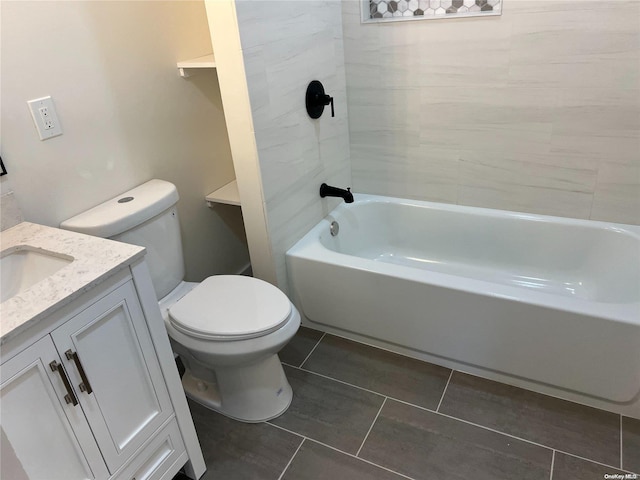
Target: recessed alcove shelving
x=186 y=68
x=227 y=194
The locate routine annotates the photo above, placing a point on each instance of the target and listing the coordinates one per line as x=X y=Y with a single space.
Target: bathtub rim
x=310 y=247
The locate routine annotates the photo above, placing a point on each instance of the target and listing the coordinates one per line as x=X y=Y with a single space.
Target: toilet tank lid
x=125 y=211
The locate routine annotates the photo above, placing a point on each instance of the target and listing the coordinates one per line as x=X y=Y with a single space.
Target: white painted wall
x=285 y=45
x=537 y=110
x=127 y=116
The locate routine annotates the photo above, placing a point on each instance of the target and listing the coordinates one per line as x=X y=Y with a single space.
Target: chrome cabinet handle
x=70 y=397
x=84 y=386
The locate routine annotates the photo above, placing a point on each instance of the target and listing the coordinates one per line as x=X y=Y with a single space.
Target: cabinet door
x=108 y=353
x=40 y=433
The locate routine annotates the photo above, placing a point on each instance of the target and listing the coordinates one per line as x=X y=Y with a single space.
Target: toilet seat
x=230 y=307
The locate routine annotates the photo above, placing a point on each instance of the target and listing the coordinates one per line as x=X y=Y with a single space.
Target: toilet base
x=248 y=393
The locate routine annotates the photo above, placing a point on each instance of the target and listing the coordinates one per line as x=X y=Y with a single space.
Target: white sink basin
x=22 y=267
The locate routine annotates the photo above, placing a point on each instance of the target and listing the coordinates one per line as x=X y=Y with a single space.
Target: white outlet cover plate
x=53 y=129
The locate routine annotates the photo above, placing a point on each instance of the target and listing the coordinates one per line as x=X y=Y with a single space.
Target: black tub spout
x=329 y=191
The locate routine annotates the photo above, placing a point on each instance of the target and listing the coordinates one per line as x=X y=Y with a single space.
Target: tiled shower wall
x=285 y=45
x=537 y=110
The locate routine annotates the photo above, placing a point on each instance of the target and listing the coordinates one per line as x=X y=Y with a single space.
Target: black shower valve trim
x=316 y=99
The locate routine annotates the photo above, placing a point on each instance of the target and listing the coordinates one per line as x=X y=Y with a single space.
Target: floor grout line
x=513 y=436
x=553 y=460
x=371 y=427
x=313 y=349
x=304 y=437
x=339 y=381
x=444 y=391
x=454 y=418
x=341 y=451
x=291 y=459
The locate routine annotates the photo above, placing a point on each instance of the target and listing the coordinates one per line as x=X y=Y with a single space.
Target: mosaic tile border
x=390 y=10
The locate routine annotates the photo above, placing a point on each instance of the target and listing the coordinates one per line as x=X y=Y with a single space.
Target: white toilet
x=227 y=329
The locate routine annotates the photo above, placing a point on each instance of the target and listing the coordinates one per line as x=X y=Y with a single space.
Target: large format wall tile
x=285 y=45
x=484 y=169
x=605 y=112
x=445 y=58
x=512 y=184
x=432 y=174
x=292 y=212
x=532 y=111
x=617 y=195
x=575 y=44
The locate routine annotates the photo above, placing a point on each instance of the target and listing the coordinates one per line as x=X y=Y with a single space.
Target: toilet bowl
x=227 y=329
x=232 y=368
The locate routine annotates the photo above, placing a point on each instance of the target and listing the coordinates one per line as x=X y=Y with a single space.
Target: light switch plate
x=45 y=117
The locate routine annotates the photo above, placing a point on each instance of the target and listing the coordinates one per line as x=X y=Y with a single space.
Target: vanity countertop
x=94 y=260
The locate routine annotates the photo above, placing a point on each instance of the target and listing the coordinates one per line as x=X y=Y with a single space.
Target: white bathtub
x=550 y=304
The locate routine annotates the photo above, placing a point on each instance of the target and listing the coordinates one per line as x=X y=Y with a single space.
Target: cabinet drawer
x=154 y=460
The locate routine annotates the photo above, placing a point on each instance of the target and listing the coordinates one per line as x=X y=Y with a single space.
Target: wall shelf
x=190 y=67
x=227 y=194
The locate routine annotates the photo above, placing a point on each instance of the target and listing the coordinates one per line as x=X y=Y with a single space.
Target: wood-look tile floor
x=362 y=413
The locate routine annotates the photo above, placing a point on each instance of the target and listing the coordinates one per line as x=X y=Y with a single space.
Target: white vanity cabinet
x=42 y=437
x=107 y=353
x=92 y=394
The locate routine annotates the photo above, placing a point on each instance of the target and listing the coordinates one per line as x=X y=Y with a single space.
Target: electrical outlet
x=44 y=116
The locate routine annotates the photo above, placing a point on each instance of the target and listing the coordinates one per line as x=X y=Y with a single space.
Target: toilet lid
x=230 y=307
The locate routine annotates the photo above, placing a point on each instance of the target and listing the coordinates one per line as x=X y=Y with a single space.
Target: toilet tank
x=145 y=216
